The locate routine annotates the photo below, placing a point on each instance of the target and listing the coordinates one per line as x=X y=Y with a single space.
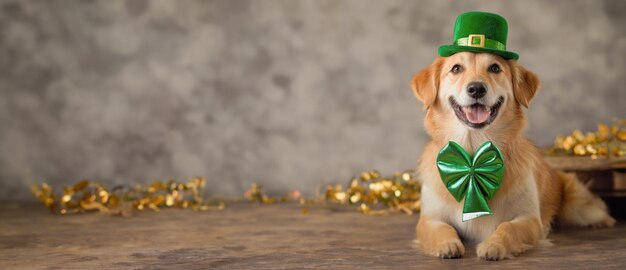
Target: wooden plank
x=586 y=163
x=252 y=236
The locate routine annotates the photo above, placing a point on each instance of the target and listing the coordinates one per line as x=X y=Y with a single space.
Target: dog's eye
x=494 y=68
x=456 y=69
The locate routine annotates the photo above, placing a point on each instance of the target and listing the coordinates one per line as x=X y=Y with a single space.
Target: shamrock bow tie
x=476 y=178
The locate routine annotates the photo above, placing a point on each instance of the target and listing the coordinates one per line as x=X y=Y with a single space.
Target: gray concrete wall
x=290 y=94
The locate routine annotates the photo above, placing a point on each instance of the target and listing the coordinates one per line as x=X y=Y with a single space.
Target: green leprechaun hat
x=479 y=32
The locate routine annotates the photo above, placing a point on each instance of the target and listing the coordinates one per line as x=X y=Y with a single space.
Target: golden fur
x=531 y=195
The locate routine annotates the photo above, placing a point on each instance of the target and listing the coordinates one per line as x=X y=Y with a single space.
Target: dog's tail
x=580 y=207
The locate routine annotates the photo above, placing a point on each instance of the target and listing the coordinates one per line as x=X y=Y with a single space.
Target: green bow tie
x=475 y=178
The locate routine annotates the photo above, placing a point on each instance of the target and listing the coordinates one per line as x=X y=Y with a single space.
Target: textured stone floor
x=250 y=236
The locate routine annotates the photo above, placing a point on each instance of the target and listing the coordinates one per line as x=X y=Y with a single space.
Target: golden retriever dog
x=471 y=98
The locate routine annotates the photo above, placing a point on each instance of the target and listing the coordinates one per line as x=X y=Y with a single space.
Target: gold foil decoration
x=378 y=195
x=256 y=194
x=372 y=193
x=89 y=195
x=607 y=141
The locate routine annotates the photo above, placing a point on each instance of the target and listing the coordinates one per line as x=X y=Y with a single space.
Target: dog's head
x=475 y=91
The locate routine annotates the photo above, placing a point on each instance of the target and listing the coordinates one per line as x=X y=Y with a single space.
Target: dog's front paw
x=450 y=249
x=492 y=251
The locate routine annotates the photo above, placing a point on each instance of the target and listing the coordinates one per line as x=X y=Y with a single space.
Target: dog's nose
x=476 y=89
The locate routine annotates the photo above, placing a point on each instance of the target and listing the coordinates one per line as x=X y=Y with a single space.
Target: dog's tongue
x=476 y=113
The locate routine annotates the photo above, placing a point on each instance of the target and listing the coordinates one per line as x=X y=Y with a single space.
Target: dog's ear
x=425 y=83
x=525 y=83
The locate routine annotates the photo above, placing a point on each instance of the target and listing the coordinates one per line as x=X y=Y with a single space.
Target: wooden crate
x=606 y=176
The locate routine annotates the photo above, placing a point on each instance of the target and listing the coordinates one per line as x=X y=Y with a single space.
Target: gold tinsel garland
x=378 y=195
x=372 y=193
x=606 y=142
x=90 y=195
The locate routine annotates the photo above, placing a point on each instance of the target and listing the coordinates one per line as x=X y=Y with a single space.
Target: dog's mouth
x=476 y=115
